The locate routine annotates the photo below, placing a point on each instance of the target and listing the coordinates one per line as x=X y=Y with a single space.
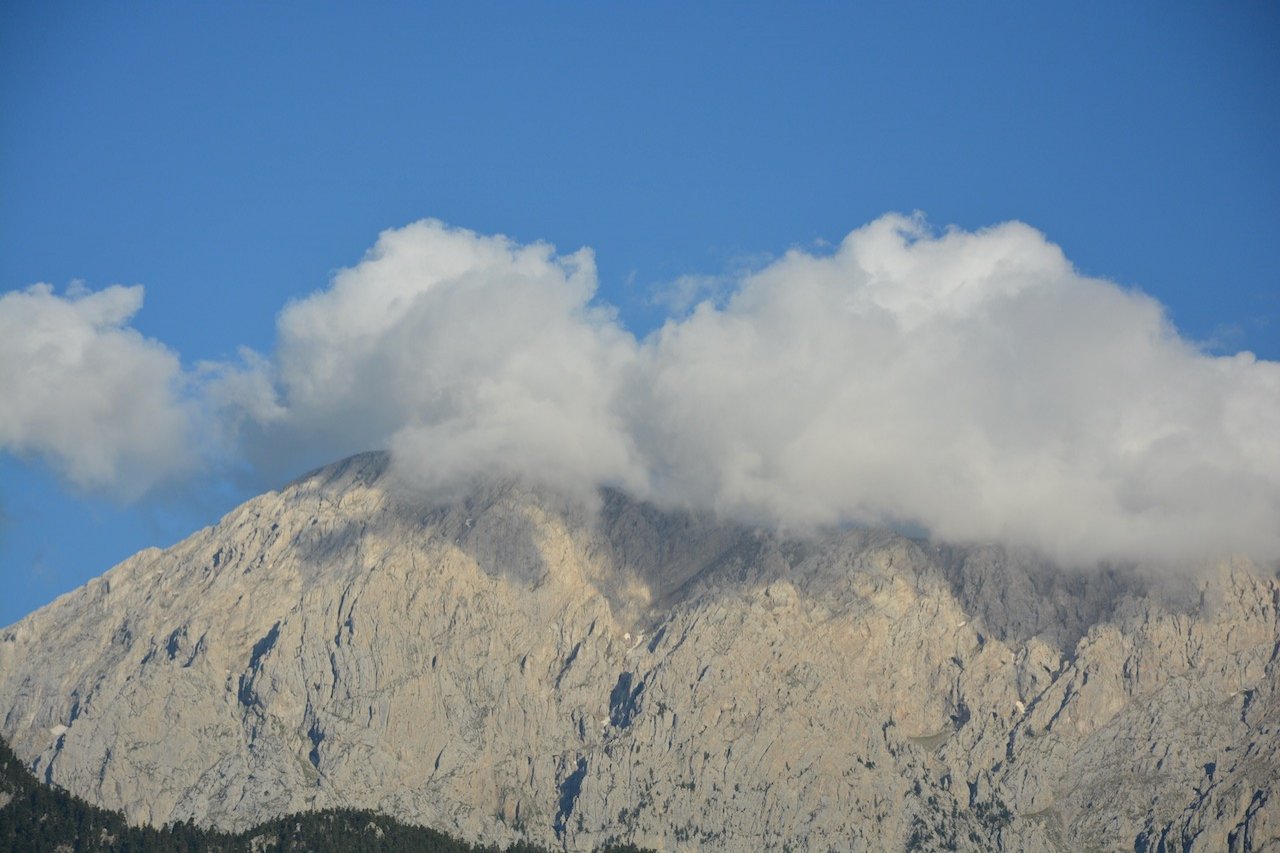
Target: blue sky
x=230 y=157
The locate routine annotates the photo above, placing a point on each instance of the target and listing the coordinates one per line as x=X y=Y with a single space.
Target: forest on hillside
x=40 y=818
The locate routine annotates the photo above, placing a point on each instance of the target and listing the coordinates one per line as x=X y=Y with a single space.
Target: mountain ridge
x=510 y=666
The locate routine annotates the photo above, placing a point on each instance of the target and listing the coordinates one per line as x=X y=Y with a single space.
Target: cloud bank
x=971 y=383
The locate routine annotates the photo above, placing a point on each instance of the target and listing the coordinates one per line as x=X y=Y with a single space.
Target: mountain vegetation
x=36 y=817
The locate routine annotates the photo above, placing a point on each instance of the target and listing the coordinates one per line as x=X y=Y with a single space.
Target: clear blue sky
x=230 y=156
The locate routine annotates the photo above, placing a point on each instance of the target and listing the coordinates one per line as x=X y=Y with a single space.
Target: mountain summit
x=511 y=665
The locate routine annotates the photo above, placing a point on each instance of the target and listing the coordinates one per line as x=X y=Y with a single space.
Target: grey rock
x=514 y=666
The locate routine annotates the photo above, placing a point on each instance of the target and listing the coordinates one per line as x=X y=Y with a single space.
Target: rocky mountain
x=511 y=666
x=36 y=817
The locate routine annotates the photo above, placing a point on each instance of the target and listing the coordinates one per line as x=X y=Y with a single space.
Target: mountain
x=37 y=817
x=510 y=666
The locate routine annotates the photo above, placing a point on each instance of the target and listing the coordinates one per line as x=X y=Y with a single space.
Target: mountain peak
x=510 y=665
x=364 y=468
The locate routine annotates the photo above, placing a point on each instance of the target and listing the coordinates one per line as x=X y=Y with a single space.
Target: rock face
x=508 y=666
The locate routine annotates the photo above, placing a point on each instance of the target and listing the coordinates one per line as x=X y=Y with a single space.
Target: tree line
x=40 y=818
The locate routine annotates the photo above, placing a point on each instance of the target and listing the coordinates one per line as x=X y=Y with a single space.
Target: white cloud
x=972 y=383
x=98 y=401
x=470 y=356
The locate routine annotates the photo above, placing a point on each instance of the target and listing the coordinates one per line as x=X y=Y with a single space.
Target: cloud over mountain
x=470 y=356
x=972 y=383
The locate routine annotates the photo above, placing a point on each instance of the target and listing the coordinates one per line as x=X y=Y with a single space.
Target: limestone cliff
x=511 y=666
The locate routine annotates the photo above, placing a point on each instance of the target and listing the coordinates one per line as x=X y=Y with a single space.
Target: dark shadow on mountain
x=1019 y=595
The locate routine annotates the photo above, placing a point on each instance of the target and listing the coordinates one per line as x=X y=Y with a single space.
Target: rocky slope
x=509 y=666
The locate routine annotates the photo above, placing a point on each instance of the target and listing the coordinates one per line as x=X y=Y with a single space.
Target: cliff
x=511 y=666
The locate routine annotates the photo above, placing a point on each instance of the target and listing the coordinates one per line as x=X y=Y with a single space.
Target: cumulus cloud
x=970 y=383
x=101 y=403
x=470 y=356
